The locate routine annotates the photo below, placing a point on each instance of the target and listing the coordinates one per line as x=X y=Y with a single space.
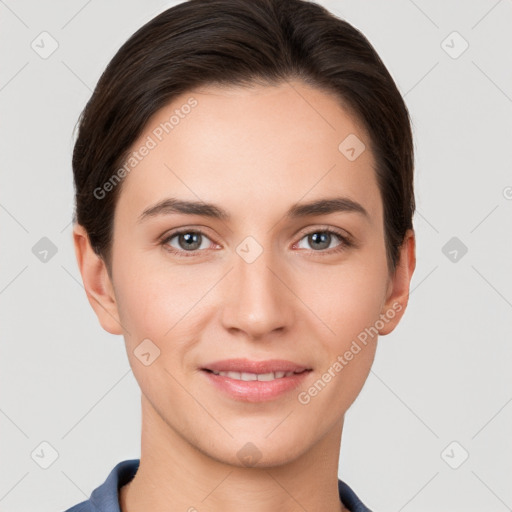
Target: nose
x=257 y=300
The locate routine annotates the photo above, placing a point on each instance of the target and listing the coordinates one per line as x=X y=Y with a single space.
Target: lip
x=248 y=366
x=256 y=391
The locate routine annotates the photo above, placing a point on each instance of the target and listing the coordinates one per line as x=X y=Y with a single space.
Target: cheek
x=349 y=307
x=151 y=303
x=347 y=298
x=152 y=307
x=165 y=305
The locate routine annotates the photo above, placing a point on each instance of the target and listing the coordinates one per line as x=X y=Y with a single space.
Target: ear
x=97 y=283
x=398 y=288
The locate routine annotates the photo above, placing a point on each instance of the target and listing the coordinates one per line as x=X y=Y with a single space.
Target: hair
x=240 y=43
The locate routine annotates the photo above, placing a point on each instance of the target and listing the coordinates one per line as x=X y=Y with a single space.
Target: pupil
x=191 y=240
x=320 y=238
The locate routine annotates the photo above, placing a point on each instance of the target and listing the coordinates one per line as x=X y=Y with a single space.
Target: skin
x=255 y=152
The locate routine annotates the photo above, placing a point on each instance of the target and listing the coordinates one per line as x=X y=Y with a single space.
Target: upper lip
x=258 y=367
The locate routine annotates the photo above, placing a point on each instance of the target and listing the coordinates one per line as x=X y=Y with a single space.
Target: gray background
x=442 y=376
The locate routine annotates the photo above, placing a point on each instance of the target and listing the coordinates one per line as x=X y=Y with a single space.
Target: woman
x=226 y=140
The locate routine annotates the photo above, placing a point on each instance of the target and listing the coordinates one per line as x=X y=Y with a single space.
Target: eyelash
x=346 y=242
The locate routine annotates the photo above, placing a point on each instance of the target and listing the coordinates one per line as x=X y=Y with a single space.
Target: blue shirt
x=105 y=498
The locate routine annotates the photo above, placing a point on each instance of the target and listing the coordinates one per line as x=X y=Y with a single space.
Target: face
x=269 y=279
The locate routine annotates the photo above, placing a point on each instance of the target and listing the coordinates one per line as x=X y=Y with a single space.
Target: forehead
x=251 y=147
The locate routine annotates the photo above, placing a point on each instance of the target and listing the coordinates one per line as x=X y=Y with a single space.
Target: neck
x=174 y=475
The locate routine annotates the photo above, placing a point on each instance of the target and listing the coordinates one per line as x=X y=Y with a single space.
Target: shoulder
x=105 y=498
x=84 y=506
x=350 y=499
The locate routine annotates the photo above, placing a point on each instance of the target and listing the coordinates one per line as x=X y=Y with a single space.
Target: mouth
x=242 y=365
x=255 y=381
x=261 y=377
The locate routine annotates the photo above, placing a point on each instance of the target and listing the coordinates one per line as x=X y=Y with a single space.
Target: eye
x=322 y=239
x=194 y=241
x=187 y=240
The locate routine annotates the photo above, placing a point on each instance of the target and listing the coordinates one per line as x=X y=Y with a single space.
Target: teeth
x=254 y=376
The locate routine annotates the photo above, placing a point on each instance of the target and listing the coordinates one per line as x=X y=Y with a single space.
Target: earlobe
x=399 y=284
x=97 y=283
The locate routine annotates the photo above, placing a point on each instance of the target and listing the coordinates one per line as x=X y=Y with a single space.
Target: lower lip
x=254 y=390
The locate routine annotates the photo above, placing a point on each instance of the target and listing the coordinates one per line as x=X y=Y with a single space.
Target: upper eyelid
x=321 y=228
x=179 y=231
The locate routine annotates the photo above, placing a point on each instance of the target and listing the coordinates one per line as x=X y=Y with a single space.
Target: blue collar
x=105 y=498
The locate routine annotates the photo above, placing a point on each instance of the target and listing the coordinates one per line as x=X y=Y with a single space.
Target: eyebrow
x=318 y=207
